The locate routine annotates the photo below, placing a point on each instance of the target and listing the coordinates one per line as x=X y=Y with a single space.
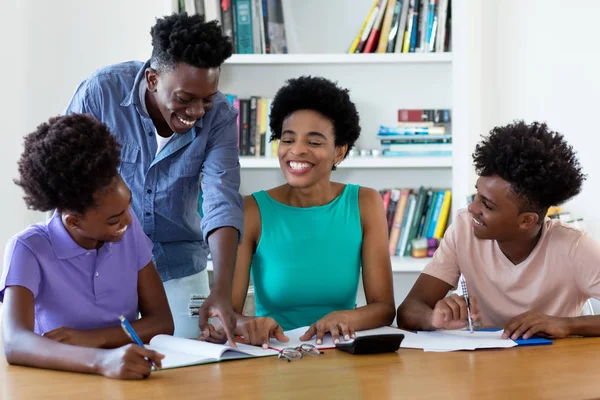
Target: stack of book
x=420 y=133
x=405 y=26
x=253 y=126
x=255 y=26
x=413 y=214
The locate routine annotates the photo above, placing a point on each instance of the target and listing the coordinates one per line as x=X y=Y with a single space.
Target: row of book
x=405 y=26
x=255 y=26
x=413 y=214
x=253 y=126
x=419 y=133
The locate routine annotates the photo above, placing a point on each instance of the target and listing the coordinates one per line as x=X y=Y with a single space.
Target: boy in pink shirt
x=525 y=273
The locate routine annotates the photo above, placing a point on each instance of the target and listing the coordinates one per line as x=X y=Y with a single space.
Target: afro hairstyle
x=182 y=38
x=320 y=95
x=65 y=161
x=541 y=167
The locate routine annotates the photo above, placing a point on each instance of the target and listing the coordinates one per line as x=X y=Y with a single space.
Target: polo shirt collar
x=63 y=244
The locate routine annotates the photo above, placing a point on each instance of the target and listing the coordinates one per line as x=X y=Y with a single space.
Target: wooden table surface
x=567 y=369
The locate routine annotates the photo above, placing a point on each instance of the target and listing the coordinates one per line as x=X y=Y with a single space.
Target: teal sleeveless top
x=307 y=262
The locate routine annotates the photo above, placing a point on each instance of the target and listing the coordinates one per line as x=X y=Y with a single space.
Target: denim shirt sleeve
x=83 y=102
x=222 y=203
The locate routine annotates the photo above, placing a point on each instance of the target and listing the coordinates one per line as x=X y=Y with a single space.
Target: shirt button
x=87 y=253
x=97 y=274
x=148 y=214
x=150 y=133
x=149 y=191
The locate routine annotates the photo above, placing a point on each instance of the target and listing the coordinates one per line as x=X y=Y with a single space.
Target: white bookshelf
x=359 y=162
x=399 y=264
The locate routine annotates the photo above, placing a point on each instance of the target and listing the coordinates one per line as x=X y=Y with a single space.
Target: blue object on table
x=532 y=341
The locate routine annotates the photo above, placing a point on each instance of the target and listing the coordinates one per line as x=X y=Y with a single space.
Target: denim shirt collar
x=133 y=98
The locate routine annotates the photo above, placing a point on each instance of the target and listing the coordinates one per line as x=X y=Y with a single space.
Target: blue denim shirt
x=166 y=187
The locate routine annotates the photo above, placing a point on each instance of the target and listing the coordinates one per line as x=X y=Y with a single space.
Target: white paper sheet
x=455 y=340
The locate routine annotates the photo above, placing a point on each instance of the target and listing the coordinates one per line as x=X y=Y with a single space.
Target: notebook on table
x=180 y=352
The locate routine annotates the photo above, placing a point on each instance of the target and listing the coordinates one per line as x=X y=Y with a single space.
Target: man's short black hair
x=66 y=161
x=320 y=95
x=186 y=38
x=541 y=167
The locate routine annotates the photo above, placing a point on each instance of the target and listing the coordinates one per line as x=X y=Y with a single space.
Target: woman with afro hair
x=525 y=273
x=66 y=281
x=305 y=241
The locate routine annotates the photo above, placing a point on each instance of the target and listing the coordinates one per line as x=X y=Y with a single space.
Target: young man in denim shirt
x=175 y=127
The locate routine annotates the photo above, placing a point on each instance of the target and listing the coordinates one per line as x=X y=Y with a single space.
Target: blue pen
x=129 y=331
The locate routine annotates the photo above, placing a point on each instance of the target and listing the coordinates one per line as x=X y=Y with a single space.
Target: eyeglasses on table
x=296 y=353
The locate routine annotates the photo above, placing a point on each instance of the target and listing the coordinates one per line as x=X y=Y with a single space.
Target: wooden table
x=567 y=369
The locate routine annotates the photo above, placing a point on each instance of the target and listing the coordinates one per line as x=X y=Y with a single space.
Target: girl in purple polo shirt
x=65 y=282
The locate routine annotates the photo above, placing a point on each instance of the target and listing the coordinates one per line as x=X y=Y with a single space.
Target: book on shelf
x=405 y=26
x=413 y=214
x=254 y=26
x=253 y=126
x=419 y=133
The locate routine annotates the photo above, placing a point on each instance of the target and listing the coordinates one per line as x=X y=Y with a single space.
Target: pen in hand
x=130 y=332
x=463 y=285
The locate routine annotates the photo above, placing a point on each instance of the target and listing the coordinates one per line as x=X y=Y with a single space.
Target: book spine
x=244 y=119
x=374 y=35
x=435 y=216
x=243 y=14
x=252 y=127
x=265 y=26
x=391 y=44
x=386 y=26
x=445 y=210
x=227 y=18
x=277 y=39
x=356 y=40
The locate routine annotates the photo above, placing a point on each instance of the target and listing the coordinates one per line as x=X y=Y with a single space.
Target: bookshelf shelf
x=399 y=264
x=359 y=162
x=263 y=59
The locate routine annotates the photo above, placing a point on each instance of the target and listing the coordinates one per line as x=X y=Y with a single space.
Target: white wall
x=13 y=113
x=541 y=62
x=47 y=48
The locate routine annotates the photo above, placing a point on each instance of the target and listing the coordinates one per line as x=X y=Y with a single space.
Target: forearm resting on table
x=23 y=347
x=145 y=327
x=371 y=316
x=414 y=314
x=585 y=326
x=223 y=244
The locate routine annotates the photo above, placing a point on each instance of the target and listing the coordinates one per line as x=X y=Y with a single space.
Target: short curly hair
x=189 y=39
x=320 y=95
x=65 y=161
x=541 y=167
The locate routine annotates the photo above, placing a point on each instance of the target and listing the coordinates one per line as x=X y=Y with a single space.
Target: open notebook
x=180 y=352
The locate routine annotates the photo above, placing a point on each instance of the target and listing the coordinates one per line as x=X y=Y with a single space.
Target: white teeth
x=120 y=231
x=185 y=121
x=299 y=165
x=477 y=222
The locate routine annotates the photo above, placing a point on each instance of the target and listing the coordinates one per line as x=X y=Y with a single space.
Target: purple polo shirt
x=72 y=286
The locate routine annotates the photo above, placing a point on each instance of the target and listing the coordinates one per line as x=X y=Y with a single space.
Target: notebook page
x=188 y=346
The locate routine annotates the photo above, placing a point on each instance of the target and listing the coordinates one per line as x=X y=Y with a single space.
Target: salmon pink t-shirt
x=557 y=278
